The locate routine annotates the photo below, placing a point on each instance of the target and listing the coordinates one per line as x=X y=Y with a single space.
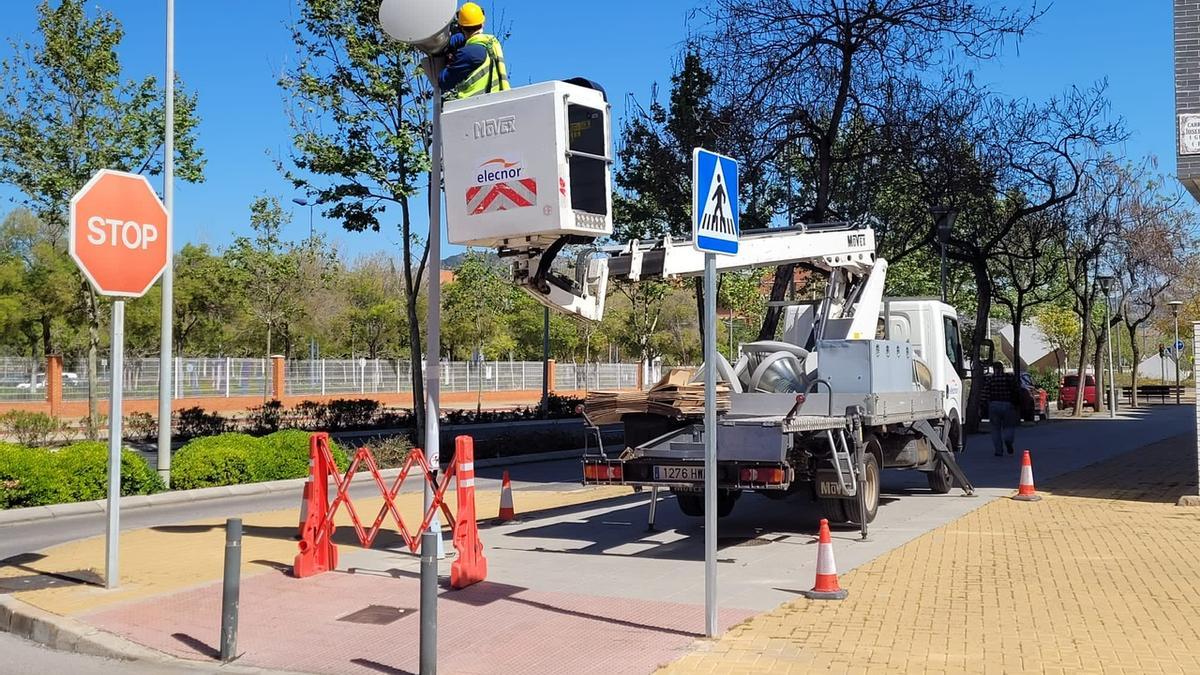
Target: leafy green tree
x=361 y=133
x=276 y=274
x=46 y=290
x=208 y=301
x=67 y=113
x=656 y=160
x=474 y=310
x=373 y=311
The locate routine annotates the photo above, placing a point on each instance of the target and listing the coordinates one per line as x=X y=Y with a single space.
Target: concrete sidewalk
x=1100 y=576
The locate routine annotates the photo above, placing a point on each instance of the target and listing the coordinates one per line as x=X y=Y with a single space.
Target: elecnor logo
x=498 y=170
x=495 y=127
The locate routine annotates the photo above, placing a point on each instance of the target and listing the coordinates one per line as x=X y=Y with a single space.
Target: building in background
x=1187 y=93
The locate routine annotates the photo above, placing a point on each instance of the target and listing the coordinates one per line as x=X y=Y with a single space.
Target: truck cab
x=932 y=328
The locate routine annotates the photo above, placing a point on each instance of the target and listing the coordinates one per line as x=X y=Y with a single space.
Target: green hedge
x=78 y=472
x=233 y=459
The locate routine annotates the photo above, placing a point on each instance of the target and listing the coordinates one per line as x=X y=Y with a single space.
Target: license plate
x=829 y=486
x=689 y=474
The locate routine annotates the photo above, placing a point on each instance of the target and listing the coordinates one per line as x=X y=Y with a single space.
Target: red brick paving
x=292 y=624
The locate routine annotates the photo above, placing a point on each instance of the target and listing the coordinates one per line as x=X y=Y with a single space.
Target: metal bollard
x=429 y=586
x=231 y=588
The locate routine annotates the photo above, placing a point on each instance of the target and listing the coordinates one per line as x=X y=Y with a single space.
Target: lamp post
x=943 y=218
x=425 y=25
x=1106 y=282
x=310 y=204
x=1175 y=305
x=167 y=310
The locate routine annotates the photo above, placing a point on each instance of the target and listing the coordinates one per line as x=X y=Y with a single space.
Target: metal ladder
x=843 y=461
x=945 y=454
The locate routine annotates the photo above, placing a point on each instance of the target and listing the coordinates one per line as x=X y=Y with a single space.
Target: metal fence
x=24 y=379
x=21 y=379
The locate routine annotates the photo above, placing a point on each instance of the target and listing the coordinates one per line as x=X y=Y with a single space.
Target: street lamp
x=943 y=218
x=1175 y=305
x=1106 y=282
x=310 y=204
x=425 y=25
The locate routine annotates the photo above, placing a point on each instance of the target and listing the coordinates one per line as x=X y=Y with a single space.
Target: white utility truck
x=858 y=383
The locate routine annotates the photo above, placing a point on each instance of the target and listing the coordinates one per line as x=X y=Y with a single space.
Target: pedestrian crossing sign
x=714 y=203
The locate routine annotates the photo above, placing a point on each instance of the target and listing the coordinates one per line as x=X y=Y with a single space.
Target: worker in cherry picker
x=476 y=58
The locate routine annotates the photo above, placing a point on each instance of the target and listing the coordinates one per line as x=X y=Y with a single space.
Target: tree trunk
x=1084 y=347
x=93 y=318
x=47 y=342
x=1018 y=316
x=770 y=324
x=267 y=379
x=983 y=285
x=415 y=353
x=1101 y=374
x=1133 y=372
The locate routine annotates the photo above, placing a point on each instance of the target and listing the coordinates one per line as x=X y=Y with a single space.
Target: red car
x=1070 y=389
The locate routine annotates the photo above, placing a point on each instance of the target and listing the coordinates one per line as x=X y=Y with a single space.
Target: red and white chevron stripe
x=515 y=194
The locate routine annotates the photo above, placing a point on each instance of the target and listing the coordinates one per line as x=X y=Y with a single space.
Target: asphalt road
x=22 y=657
x=34 y=536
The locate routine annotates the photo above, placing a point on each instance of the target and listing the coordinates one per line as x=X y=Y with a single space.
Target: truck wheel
x=870 y=484
x=834 y=510
x=940 y=480
x=692 y=503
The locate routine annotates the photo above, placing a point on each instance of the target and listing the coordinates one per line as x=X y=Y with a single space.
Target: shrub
x=140 y=426
x=266 y=418
x=196 y=423
x=79 y=472
x=93 y=431
x=228 y=459
x=85 y=466
x=29 y=477
x=288 y=454
x=391 y=452
x=394 y=418
x=30 y=428
x=308 y=415
x=350 y=413
x=558 y=407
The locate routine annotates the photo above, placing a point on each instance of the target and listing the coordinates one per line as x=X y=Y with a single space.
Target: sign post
x=714 y=231
x=120 y=236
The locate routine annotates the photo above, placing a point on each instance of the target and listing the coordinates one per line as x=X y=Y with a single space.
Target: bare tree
x=817 y=74
x=1027 y=270
x=1151 y=254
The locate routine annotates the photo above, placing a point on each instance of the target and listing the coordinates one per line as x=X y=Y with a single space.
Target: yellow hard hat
x=470 y=16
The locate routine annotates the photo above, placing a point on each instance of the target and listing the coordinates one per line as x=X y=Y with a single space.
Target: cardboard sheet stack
x=673 y=396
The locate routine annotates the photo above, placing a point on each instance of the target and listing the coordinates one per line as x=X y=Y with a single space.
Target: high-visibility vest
x=491 y=75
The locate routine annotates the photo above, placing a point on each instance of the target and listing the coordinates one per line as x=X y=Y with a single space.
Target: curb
x=134 y=502
x=65 y=634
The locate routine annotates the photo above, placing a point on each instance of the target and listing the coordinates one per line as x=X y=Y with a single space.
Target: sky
x=231 y=53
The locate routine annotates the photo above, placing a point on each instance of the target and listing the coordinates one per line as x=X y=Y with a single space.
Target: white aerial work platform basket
x=527 y=167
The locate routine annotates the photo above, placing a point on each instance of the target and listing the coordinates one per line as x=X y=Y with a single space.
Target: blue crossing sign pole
x=715 y=232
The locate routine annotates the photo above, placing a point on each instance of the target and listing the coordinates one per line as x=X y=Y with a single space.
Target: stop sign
x=120 y=234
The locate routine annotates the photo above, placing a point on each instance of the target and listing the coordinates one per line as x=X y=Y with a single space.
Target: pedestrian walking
x=1003 y=396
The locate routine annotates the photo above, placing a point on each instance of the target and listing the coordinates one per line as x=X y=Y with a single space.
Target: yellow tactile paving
x=163 y=560
x=1080 y=582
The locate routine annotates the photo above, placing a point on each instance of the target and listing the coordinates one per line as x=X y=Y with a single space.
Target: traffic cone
x=506 y=499
x=1026 y=492
x=826 y=587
